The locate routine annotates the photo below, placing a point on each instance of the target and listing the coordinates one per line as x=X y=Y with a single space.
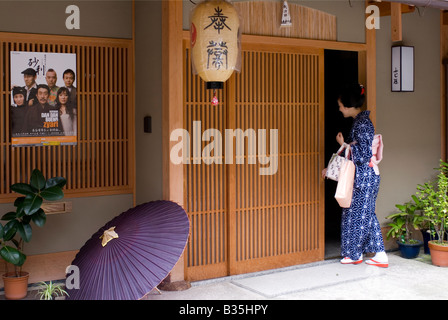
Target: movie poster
x=43 y=99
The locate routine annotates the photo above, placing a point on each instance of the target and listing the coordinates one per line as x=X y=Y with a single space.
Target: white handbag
x=336 y=161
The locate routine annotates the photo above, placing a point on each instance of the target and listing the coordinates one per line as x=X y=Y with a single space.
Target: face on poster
x=43 y=98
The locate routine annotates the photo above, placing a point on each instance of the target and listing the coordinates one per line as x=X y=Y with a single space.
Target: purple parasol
x=131 y=254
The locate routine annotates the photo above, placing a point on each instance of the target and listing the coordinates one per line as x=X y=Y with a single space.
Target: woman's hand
x=340 y=138
x=324 y=173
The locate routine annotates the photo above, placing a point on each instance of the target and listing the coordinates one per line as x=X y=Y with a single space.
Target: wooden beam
x=248 y=41
x=396 y=25
x=385 y=8
x=371 y=72
x=444 y=18
x=171 y=95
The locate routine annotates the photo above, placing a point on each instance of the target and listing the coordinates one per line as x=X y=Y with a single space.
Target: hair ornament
x=362 y=89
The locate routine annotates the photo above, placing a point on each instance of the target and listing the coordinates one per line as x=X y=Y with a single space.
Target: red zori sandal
x=347 y=260
x=372 y=262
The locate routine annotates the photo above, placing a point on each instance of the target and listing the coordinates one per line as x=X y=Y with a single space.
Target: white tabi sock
x=381 y=257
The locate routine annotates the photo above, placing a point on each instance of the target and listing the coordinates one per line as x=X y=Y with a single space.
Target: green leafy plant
x=434 y=198
x=50 y=290
x=409 y=215
x=18 y=229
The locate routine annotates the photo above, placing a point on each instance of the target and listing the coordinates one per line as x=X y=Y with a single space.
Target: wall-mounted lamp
x=402 y=68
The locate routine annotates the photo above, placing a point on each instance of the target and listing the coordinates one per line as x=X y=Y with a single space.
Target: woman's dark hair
x=68 y=106
x=352 y=96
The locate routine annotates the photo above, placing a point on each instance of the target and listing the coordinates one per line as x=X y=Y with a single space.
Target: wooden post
x=172 y=115
x=396 y=32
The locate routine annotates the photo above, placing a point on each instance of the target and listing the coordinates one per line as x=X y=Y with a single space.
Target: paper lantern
x=215 y=43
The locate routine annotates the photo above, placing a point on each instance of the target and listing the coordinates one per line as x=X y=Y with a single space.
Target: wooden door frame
x=172 y=50
x=172 y=100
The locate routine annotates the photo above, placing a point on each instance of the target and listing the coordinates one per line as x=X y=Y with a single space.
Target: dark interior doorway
x=341 y=67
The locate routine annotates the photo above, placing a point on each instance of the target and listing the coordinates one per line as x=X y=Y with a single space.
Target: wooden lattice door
x=250 y=214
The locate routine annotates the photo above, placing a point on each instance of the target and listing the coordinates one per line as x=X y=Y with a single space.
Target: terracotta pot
x=16 y=287
x=439 y=254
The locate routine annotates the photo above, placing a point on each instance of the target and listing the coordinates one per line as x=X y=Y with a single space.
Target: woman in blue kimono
x=360 y=229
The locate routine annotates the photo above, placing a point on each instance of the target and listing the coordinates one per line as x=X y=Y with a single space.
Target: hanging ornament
x=286 y=17
x=215 y=42
x=215 y=99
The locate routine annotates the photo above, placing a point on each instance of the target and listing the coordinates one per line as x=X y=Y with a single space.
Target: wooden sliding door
x=263 y=207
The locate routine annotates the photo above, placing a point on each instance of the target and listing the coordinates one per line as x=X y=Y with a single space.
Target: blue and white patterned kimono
x=360 y=229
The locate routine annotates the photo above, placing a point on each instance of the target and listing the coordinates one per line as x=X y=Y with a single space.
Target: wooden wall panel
x=102 y=162
x=264 y=17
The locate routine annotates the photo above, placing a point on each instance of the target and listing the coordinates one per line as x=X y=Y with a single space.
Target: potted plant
x=434 y=198
x=407 y=217
x=18 y=231
x=50 y=291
